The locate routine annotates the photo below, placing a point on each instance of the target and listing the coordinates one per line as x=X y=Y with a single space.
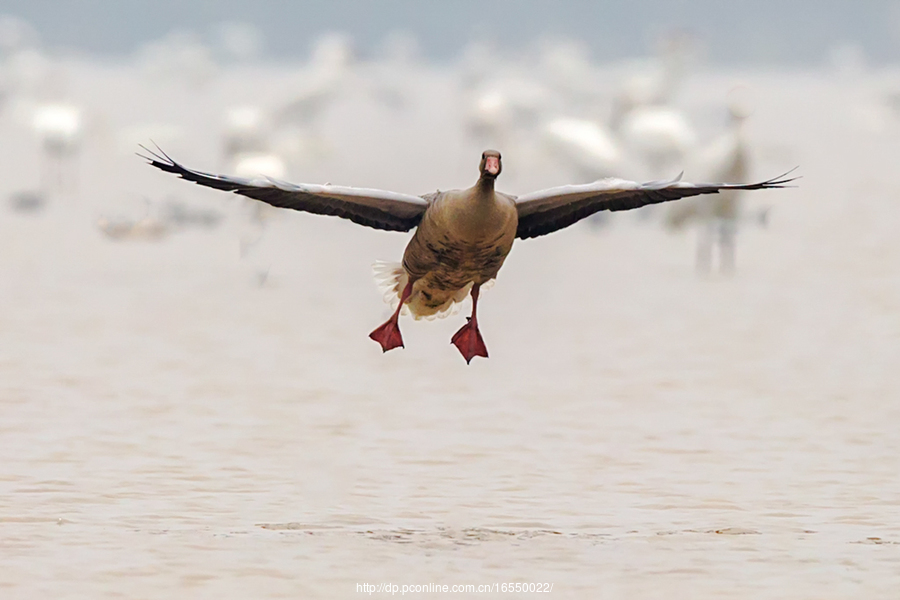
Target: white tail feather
x=392 y=278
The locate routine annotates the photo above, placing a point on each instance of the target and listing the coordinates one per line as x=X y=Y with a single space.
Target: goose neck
x=485 y=187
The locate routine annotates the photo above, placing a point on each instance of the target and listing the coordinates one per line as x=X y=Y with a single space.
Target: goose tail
x=392 y=278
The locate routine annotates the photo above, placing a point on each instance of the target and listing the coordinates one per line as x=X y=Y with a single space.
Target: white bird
x=656 y=80
x=651 y=130
x=330 y=65
x=503 y=106
x=659 y=136
x=246 y=131
x=59 y=128
x=585 y=145
x=725 y=159
x=260 y=164
x=255 y=166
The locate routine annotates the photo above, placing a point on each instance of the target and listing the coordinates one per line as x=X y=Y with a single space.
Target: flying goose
x=462 y=237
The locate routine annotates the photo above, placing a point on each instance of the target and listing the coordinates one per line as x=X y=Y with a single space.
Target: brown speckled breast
x=461 y=239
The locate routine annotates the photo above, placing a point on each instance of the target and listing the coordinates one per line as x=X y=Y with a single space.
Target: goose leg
x=468 y=340
x=388 y=334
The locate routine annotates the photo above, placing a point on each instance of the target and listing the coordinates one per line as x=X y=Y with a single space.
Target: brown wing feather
x=386 y=211
x=544 y=212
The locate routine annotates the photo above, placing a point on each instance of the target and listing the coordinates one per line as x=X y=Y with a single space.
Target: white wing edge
x=407 y=204
x=350 y=193
x=574 y=193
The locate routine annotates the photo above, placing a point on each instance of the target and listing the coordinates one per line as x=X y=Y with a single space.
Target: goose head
x=490 y=164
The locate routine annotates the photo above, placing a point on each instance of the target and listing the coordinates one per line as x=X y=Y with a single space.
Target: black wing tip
x=160 y=159
x=777 y=182
x=782 y=180
x=164 y=162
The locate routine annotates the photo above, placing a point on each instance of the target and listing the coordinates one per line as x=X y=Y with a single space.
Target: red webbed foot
x=469 y=342
x=388 y=335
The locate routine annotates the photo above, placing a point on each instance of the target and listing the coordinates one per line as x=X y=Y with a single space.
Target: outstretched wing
x=373 y=208
x=549 y=210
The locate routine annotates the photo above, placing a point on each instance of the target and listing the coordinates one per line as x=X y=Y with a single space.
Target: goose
x=462 y=237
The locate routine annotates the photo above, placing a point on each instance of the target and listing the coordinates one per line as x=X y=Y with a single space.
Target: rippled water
x=169 y=428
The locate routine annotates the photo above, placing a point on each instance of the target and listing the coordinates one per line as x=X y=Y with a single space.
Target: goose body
x=462 y=241
x=462 y=237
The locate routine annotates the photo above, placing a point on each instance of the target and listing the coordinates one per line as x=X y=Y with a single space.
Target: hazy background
x=697 y=401
x=794 y=32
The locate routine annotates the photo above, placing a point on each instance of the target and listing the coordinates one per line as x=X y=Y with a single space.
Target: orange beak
x=492 y=165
